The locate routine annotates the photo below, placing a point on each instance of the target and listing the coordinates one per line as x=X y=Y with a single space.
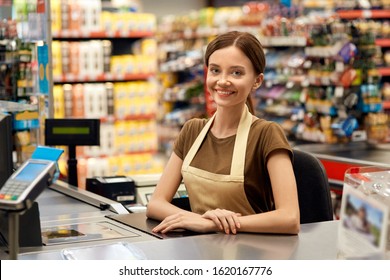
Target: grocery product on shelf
x=104 y=66
x=23 y=45
x=325 y=64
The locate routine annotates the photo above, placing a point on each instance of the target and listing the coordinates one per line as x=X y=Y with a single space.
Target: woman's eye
x=214 y=71
x=237 y=73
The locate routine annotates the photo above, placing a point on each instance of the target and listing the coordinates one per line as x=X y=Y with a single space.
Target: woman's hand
x=189 y=221
x=225 y=220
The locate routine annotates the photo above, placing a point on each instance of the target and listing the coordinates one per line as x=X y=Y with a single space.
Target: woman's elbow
x=295 y=227
x=294 y=224
x=290 y=222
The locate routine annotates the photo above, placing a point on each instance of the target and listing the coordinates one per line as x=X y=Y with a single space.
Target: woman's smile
x=224 y=92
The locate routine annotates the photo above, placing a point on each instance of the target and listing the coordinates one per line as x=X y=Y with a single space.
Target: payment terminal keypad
x=12 y=190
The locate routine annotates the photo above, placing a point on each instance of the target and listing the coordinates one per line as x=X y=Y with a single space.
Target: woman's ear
x=258 y=81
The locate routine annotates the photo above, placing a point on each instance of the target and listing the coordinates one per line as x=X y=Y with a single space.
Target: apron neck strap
x=239 y=151
x=198 y=141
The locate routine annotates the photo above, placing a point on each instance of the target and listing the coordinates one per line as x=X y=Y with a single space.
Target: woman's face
x=231 y=77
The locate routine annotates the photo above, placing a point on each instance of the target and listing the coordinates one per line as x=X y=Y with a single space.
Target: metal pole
x=72 y=166
x=13 y=235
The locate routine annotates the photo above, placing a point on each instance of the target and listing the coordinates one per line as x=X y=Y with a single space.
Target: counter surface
x=316 y=241
x=338 y=158
x=59 y=211
x=359 y=153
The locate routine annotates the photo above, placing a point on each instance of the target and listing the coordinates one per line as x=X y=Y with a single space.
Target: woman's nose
x=223 y=81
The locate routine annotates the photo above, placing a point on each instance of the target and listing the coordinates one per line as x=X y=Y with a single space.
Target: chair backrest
x=315 y=202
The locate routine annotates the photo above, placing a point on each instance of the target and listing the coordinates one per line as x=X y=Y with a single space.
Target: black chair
x=315 y=202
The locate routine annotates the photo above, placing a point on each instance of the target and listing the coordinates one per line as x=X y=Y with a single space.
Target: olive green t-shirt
x=215 y=155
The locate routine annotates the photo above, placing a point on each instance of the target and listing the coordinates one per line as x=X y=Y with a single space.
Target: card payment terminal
x=26 y=184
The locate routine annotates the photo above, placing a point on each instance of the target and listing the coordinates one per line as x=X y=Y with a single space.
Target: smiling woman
x=230 y=81
x=244 y=67
x=236 y=167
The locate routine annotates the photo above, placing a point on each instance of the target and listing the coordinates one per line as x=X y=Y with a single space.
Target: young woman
x=236 y=167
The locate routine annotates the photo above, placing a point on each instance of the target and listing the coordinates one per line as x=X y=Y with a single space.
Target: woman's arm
x=285 y=217
x=172 y=217
x=159 y=206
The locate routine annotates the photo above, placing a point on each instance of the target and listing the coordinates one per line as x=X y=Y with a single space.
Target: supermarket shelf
x=292 y=41
x=354 y=14
x=382 y=42
x=110 y=119
x=101 y=34
x=267 y=41
x=384 y=71
x=127 y=153
x=70 y=78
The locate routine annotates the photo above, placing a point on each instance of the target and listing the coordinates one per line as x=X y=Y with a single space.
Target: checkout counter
x=338 y=158
x=78 y=224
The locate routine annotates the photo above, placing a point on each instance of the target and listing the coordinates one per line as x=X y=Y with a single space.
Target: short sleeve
x=275 y=139
x=178 y=145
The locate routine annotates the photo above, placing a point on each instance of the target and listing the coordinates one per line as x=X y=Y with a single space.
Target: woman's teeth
x=224 y=92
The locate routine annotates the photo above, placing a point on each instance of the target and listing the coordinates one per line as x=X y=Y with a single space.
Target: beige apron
x=206 y=190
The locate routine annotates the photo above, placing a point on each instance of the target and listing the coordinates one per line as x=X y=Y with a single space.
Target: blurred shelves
x=139 y=117
x=282 y=41
x=382 y=42
x=355 y=14
x=70 y=78
x=384 y=71
x=76 y=34
x=386 y=104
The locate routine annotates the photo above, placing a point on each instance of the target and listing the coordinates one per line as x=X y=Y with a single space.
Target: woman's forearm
x=277 y=221
x=160 y=209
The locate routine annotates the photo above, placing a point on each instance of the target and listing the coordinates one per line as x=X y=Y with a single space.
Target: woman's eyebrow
x=231 y=67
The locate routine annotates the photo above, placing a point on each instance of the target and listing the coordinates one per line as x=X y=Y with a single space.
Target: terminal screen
x=30 y=171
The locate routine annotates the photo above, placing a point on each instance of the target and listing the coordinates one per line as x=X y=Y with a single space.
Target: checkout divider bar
x=89 y=197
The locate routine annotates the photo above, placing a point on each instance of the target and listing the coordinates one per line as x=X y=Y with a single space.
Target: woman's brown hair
x=248 y=44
